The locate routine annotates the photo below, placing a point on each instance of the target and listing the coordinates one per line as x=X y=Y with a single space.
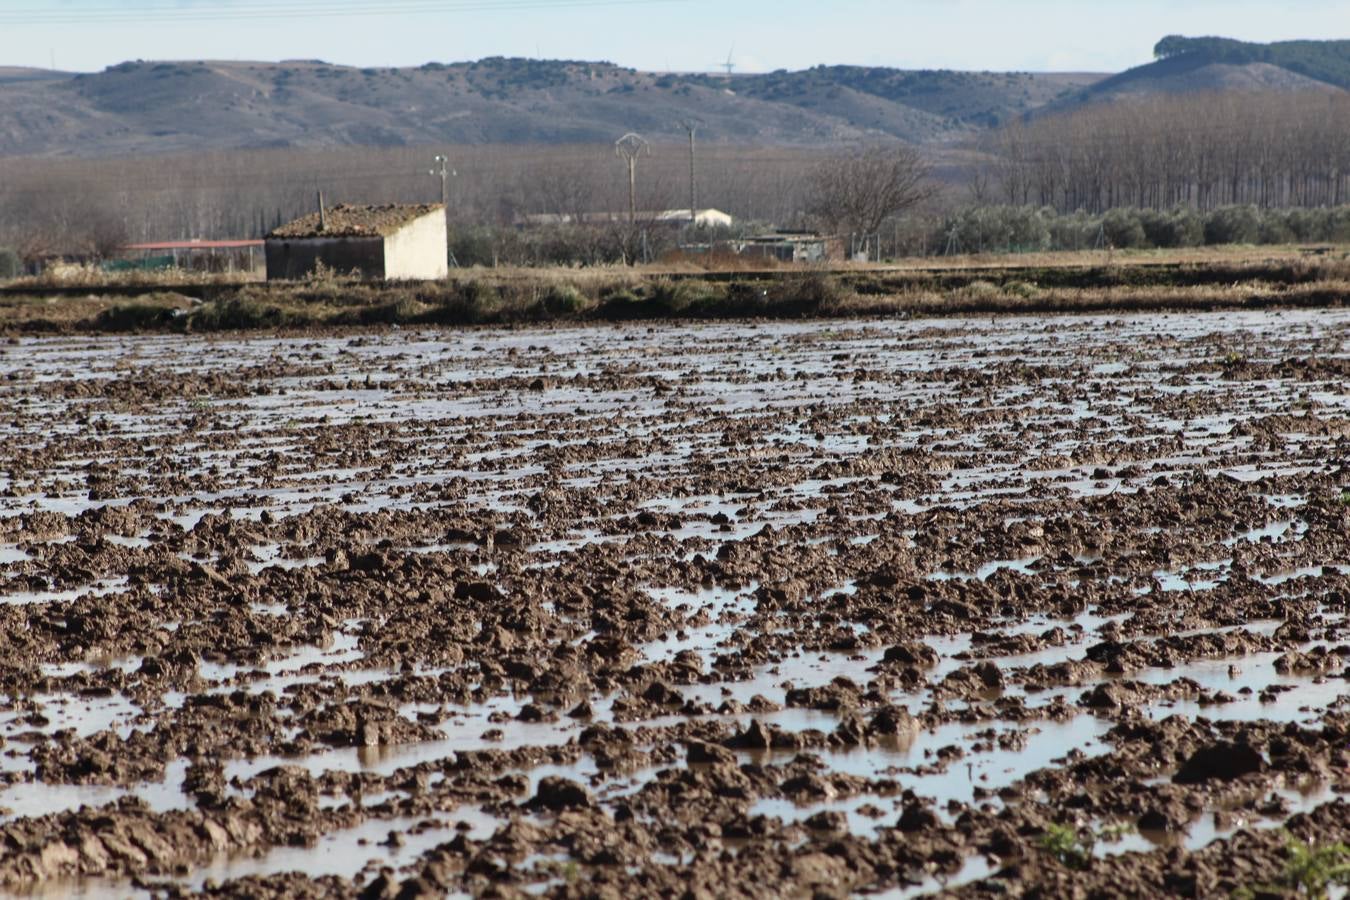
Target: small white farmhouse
x=404 y=243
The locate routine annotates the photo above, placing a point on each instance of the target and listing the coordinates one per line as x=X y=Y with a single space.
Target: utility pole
x=443 y=172
x=629 y=148
x=691 y=126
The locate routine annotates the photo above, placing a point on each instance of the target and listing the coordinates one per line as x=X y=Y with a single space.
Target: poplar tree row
x=1204 y=151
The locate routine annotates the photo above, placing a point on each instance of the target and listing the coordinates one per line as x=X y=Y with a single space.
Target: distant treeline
x=1205 y=151
x=1175 y=171
x=90 y=207
x=1327 y=61
x=1026 y=229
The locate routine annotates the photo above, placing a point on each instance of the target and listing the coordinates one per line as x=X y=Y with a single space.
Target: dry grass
x=1225 y=254
x=986 y=298
x=71 y=275
x=592 y=278
x=507 y=295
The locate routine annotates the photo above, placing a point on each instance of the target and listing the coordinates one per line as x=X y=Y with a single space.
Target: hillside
x=167 y=107
x=1326 y=61
x=163 y=107
x=1185 y=65
x=944 y=99
x=10 y=74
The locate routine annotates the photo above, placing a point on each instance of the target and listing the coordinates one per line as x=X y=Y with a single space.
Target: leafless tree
x=46 y=204
x=980 y=187
x=106 y=233
x=858 y=191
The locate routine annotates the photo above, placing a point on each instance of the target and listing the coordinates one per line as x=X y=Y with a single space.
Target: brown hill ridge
x=162 y=107
x=138 y=108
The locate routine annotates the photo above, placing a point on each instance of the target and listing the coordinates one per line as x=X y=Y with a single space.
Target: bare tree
x=980 y=187
x=106 y=233
x=47 y=205
x=859 y=191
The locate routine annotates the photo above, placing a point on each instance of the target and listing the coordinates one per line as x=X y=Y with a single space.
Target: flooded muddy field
x=1045 y=606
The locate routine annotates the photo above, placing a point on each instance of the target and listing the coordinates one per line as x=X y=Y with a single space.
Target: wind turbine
x=730 y=64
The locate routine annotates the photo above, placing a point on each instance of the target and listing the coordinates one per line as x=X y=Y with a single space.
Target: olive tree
x=858 y=191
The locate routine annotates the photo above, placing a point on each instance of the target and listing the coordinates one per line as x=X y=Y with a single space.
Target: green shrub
x=996 y=229
x=1026 y=230
x=979 y=289
x=404 y=309
x=1233 y=225
x=1180 y=227
x=803 y=294
x=460 y=303
x=477 y=299
x=564 y=300
x=241 y=313
x=1001 y=229
x=1023 y=290
x=1310 y=870
x=1310 y=225
x=1337 y=225
x=666 y=297
x=1275 y=228
x=624 y=304
x=1123 y=229
x=1065 y=845
x=473 y=246
x=684 y=297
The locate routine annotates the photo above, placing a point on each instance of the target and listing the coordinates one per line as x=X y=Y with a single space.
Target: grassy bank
x=505 y=296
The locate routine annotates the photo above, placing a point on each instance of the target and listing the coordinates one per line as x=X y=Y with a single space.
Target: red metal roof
x=194 y=245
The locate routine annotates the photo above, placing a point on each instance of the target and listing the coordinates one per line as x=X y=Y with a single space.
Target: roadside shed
x=393 y=242
x=793 y=246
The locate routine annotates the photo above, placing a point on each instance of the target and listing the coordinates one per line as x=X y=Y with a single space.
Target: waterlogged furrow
x=881 y=607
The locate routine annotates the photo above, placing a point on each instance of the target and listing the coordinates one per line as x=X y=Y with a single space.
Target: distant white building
x=390 y=243
x=703 y=218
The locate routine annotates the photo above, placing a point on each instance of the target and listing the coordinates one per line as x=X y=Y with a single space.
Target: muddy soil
x=1033 y=606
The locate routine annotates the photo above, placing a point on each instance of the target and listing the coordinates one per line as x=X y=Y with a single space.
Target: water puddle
x=342 y=650
x=10 y=554
x=100 y=588
x=266 y=556
x=36 y=798
x=984 y=572
x=974 y=869
x=1272 y=533
x=1213 y=826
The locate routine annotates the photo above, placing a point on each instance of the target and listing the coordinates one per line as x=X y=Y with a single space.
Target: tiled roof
x=346 y=220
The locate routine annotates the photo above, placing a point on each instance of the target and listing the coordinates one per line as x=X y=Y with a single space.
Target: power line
x=320 y=9
x=74 y=7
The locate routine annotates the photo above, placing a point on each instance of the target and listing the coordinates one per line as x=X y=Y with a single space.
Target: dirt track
x=691 y=610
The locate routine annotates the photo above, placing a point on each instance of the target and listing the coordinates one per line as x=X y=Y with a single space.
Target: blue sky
x=1041 y=35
